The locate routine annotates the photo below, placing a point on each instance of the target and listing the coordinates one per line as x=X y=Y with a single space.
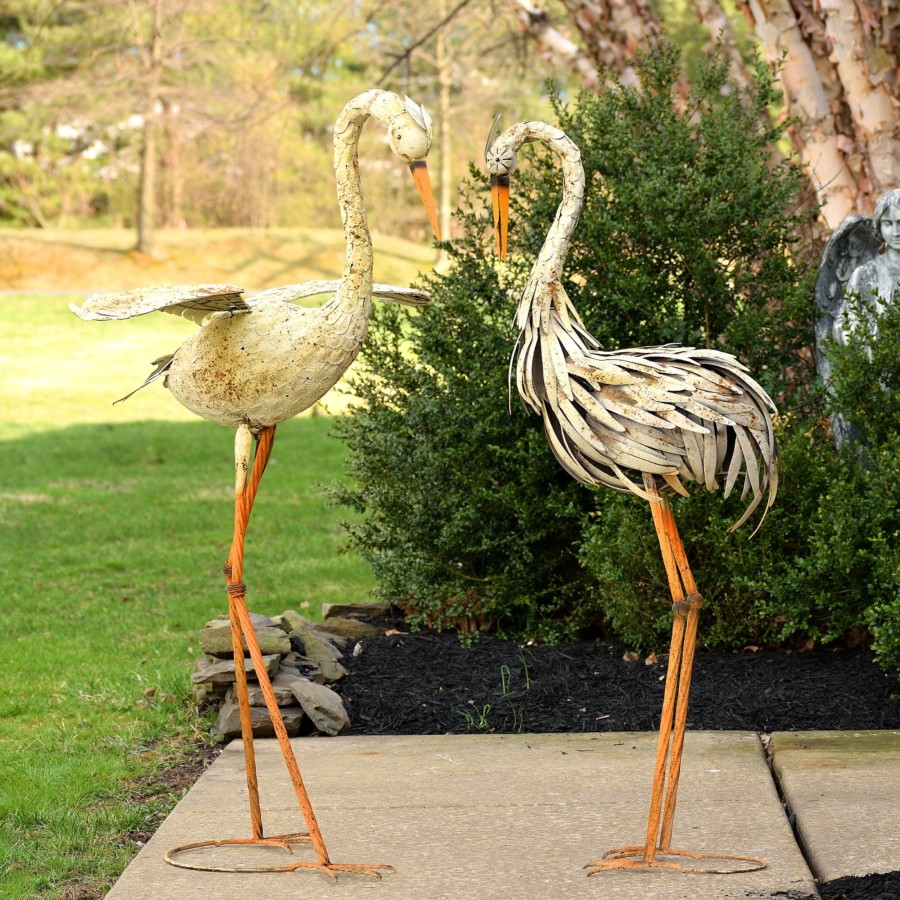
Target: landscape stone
x=355 y=610
x=281 y=689
x=350 y=628
x=316 y=648
x=215 y=640
x=323 y=706
x=222 y=670
x=280 y=623
x=256 y=620
x=338 y=640
x=228 y=723
x=209 y=691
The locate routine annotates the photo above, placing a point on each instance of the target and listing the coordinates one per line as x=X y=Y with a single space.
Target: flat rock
x=209 y=691
x=228 y=723
x=280 y=687
x=222 y=670
x=349 y=628
x=355 y=610
x=256 y=620
x=215 y=639
x=323 y=706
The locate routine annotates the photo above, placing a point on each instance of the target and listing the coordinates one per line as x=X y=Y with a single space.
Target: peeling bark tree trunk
x=554 y=46
x=840 y=73
x=840 y=69
x=610 y=32
x=719 y=25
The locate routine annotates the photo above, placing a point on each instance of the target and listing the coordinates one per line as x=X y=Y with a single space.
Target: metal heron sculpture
x=669 y=414
x=253 y=364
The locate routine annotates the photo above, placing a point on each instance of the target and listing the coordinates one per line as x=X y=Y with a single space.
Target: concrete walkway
x=499 y=816
x=844 y=789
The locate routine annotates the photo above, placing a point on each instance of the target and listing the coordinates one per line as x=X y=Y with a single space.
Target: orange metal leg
x=686 y=602
x=242 y=631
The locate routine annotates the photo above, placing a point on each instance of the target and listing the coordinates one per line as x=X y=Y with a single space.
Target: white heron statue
x=255 y=363
x=668 y=414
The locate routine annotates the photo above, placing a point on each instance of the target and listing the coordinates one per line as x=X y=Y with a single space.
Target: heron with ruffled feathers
x=648 y=420
x=255 y=363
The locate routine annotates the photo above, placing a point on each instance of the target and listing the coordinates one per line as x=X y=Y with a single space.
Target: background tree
x=202 y=107
x=840 y=71
x=464 y=62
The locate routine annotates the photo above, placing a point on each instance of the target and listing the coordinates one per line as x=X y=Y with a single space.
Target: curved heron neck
x=356 y=282
x=548 y=266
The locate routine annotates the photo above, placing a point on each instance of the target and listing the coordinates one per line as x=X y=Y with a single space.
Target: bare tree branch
x=421 y=40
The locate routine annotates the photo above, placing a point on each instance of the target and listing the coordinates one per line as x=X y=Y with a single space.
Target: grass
x=114 y=523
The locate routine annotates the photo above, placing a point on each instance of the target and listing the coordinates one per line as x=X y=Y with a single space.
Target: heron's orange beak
x=500 y=202
x=423 y=186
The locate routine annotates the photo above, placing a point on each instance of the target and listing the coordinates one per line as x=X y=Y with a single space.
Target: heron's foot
x=636 y=857
x=284 y=841
x=373 y=870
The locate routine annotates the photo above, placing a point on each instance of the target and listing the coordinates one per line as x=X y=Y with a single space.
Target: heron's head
x=410 y=133
x=500 y=158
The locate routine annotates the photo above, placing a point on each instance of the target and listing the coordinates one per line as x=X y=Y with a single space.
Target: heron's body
x=263 y=360
x=678 y=414
x=266 y=365
x=646 y=420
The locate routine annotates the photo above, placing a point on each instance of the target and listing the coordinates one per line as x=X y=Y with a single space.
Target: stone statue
x=861 y=257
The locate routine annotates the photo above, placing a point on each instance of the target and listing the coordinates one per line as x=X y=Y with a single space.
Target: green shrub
x=471 y=523
x=858 y=536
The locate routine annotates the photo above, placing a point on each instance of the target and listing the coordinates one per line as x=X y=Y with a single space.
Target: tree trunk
x=612 y=30
x=172 y=213
x=837 y=77
x=445 y=81
x=553 y=45
x=866 y=70
x=146 y=217
x=719 y=25
x=840 y=73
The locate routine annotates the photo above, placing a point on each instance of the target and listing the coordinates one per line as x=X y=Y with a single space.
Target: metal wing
x=852 y=244
x=193 y=301
x=291 y=293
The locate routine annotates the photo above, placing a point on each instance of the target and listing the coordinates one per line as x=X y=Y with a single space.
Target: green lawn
x=114 y=524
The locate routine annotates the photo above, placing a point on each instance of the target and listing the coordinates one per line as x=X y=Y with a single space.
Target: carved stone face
x=889 y=228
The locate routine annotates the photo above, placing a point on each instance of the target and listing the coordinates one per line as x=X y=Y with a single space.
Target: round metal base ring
x=278 y=842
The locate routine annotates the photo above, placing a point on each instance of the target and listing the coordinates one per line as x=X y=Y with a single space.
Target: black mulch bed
x=880 y=886
x=428 y=683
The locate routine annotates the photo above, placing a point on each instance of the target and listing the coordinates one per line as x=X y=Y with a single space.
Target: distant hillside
x=87 y=261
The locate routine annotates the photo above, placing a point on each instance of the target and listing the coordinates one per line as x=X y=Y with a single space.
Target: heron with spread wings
x=648 y=420
x=255 y=363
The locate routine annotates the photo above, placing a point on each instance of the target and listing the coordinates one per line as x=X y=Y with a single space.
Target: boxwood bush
x=692 y=232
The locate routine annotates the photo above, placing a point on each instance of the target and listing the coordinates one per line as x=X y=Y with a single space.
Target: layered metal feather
x=678 y=414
